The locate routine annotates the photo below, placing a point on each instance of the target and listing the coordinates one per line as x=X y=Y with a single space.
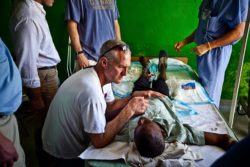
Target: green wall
x=146 y=25
x=5 y=9
x=151 y=25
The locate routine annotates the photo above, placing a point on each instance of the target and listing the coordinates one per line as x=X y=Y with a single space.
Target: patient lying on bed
x=159 y=124
x=159 y=85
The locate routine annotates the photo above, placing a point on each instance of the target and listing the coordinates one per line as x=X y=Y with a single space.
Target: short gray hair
x=109 y=49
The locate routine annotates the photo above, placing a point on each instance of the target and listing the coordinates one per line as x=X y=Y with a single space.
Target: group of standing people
x=77 y=111
x=90 y=24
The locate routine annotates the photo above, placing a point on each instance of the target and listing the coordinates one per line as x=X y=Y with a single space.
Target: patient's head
x=149 y=138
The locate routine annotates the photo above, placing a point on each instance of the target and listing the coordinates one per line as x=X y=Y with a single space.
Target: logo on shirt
x=102 y=4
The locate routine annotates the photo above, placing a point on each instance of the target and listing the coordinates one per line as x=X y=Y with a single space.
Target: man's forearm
x=74 y=35
x=136 y=106
x=114 y=108
x=229 y=37
x=117 y=104
x=112 y=128
x=190 y=38
x=117 y=30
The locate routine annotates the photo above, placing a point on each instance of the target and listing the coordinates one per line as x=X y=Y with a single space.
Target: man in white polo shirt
x=77 y=114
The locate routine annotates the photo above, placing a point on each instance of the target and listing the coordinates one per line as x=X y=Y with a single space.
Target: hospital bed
x=192 y=106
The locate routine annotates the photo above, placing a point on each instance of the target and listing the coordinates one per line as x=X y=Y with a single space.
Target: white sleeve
x=26 y=46
x=108 y=93
x=93 y=113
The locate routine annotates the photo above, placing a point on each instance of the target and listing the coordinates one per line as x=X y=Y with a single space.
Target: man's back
x=79 y=97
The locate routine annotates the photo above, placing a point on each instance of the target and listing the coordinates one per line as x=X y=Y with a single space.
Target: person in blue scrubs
x=221 y=24
x=11 y=152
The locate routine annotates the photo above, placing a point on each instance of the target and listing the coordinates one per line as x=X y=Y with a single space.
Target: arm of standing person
x=135 y=106
x=27 y=45
x=75 y=40
x=187 y=40
x=233 y=35
x=36 y=100
x=117 y=30
x=8 y=154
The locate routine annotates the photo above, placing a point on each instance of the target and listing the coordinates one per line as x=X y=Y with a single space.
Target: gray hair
x=110 y=52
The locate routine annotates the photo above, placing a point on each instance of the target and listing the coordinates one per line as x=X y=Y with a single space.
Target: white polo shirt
x=78 y=108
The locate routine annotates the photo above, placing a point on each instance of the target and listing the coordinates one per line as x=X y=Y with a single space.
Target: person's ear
x=141 y=121
x=104 y=62
x=164 y=133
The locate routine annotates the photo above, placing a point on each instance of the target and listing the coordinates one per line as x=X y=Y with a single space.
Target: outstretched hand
x=147 y=94
x=8 y=154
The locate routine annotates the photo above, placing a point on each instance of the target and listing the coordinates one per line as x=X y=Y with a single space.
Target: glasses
x=120 y=47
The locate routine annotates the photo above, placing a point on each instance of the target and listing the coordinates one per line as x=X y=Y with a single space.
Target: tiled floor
x=241 y=122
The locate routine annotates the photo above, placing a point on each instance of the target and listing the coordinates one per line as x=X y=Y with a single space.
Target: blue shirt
x=10 y=82
x=95 y=20
x=217 y=17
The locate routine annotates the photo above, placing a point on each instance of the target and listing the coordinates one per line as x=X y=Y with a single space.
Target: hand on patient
x=147 y=94
x=138 y=105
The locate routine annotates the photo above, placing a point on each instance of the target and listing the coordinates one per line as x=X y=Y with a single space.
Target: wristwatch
x=80 y=52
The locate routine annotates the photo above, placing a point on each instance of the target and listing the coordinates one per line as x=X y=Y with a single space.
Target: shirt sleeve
x=26 y=46
x=73 y=10
x=93 y=114
x=237 y=13
x=108 y=93
x=116 y=12
x=10 y=82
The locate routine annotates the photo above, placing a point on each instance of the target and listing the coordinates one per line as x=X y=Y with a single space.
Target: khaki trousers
x=9 y=128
